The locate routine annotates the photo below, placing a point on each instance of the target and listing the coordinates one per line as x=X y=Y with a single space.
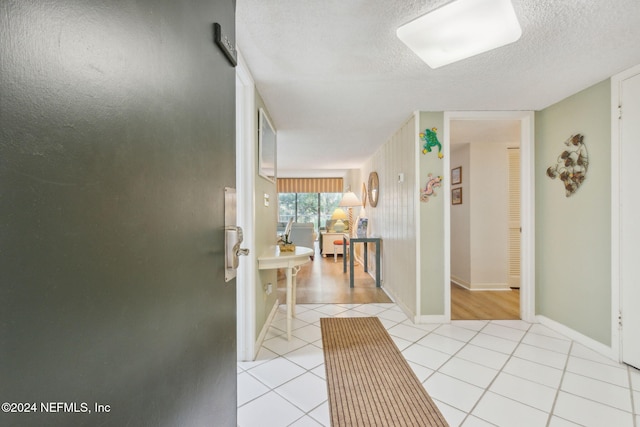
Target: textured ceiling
x=338 y=82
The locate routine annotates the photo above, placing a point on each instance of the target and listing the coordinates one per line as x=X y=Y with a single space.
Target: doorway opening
x=490 y=228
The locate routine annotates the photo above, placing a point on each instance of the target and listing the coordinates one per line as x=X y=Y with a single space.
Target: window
x=308 y=207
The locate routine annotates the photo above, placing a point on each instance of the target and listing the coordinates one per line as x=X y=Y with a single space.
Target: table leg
x=296 y=269
x=377 y=263
x=351 y=245
x=366 y=256
x=289 y=301
x=344 y=254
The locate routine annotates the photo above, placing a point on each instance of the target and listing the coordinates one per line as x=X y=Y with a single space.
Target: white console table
x=272 y=258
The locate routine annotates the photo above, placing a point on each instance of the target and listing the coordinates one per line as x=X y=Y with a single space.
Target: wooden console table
x=272 y=258
x=365 y=240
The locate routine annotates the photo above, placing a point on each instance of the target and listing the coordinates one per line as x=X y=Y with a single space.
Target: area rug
x=369 y=381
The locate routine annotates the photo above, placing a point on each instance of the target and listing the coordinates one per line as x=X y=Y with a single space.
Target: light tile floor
x=479 y=373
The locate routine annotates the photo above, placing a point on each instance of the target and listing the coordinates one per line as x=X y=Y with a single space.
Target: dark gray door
x=117 y=136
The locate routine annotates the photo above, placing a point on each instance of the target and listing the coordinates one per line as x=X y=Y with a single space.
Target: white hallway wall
x=394 y=218
x=479 y=239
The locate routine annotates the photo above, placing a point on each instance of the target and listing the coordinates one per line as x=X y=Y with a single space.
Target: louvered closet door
x=514 y=217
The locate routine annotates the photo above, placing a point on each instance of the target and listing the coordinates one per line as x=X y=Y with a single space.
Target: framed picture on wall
x=456 y=196
x=267 y=148
x=456 y=175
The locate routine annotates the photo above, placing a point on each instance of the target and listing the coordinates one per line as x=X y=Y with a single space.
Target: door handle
x=243 y=251
x=233 y=240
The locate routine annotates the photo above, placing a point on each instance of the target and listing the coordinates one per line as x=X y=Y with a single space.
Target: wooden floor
x=322 y=282
x=484 y=305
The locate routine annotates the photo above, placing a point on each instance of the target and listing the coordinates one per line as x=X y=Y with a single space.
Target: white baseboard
x=406 y=310
x=576 y=336
x=480 y=286
x=265 y=328
x=431 y=318
x=460 y=282
x=490 y=287
x=410 y=313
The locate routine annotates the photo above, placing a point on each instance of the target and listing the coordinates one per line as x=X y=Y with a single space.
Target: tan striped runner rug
x=369 y=381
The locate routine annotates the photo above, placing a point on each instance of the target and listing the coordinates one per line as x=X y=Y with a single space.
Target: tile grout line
x=555 y=398
x=447 y=361
x=486 y=389
x=272 y=389
x=634 y=415
x=476 y=333
x=283 y=356
x=592 y=379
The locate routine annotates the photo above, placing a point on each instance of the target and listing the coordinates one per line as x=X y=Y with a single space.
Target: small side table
x=272 y=258
x=365 y=240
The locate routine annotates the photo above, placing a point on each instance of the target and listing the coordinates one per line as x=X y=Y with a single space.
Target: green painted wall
x=266 y=218
x=431 y=225
x=573 y=234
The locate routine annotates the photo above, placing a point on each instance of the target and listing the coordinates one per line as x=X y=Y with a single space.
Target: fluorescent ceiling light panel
x=461 y=29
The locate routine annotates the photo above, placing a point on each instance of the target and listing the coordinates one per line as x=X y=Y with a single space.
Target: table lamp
x=350 y=201
x=338 y=216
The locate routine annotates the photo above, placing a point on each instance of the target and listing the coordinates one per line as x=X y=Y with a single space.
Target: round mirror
x=373 y=189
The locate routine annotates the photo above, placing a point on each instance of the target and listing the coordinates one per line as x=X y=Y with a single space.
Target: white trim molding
x=245 y=188
x=432 y=318
x=480 y=286
x=446 y=168
x=527 y=201
x=265 y=329
x=594 y=345
x=416 y=213
x=616 y=303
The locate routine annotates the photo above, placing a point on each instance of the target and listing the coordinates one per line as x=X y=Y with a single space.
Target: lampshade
x=350 y=200
x=461 y=29
x=339 y=214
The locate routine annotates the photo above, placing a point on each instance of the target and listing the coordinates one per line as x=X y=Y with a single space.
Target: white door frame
x=616 y=335
x=527 y=203
x=245 y=189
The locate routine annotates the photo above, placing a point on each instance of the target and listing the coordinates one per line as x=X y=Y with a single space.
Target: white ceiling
x=485 y=131
x=337 y=81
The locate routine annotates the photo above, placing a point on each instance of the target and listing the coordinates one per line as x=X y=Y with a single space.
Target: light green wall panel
x=266 y=218
x=573 y=234
x=431 y=224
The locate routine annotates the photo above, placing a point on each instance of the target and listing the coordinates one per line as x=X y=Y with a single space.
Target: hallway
x=479 y=373
x=322 y=281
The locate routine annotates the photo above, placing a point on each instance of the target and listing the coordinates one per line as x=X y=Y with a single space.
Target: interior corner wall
x=432 y=218
x=266 y=218
x=352 y=179
x=393 y=219
x=489 y=170
x=461 y=219
x=573 y=234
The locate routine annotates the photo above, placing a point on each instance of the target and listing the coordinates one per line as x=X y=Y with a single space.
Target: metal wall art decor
x=572 y=164
x=430 y=138
x=429 y=189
